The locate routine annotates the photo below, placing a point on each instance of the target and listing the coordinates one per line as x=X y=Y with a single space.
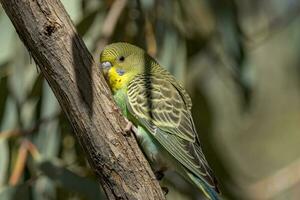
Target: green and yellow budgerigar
x=150 y=97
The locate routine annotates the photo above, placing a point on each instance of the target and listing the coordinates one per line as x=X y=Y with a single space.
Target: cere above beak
x=106 y=65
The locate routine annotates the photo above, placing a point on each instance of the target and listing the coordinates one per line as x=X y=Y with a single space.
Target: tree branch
x=50 y=37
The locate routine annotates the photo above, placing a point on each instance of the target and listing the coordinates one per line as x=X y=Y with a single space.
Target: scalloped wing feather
x=163 y=108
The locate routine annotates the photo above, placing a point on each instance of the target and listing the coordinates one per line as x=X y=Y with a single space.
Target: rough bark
x=50 y=37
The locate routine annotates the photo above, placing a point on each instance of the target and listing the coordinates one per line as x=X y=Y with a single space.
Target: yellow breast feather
x=117 y=81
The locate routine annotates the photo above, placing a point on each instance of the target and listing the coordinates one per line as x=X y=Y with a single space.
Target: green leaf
x=36 y=90
x=73 y=8
x=15 y=192
x=92 y=35
x=10 y=115
x=3 y=95
x=173 y=54
x=4 y=161
x=48 y=138
x=84 y=25
x=23 y=72
x=147 y=4
x=44 y=188
x=70 y=181
x=6 y=39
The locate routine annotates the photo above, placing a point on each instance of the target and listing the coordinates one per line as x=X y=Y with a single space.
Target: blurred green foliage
x=239 y=61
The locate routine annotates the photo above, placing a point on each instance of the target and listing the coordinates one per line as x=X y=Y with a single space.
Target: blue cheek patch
x=121 y=72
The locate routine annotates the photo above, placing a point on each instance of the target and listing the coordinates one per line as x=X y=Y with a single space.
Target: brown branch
x=50 y=37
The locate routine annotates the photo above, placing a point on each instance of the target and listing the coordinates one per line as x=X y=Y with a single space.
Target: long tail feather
x=208 y=191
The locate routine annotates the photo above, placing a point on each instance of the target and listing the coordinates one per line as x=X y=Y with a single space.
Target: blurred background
x=239 y=60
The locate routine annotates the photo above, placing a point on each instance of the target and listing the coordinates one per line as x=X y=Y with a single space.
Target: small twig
x=109 y=24
x=25 y=147
x=33 y=150
x=271 y=186
x=10 y=133
x=20 y=164
x=40 y=122
x=35 y=128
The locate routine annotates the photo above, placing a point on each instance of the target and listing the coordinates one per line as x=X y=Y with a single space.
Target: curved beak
x=105 y=67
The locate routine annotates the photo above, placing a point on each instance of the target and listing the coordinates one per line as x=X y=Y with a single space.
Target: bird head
x=121 y=62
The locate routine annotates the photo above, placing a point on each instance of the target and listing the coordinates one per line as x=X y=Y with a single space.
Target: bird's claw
x=159 y=175
x=165 y=190
x=128 y=128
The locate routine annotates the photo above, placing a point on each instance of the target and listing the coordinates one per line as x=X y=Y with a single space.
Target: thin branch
x=33 y=150
x=19 y=165
x=35 y=128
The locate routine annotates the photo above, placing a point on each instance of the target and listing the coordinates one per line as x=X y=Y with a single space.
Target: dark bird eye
x=121 y=58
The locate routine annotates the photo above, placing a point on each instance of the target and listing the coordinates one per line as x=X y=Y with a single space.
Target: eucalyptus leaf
x=70 y=181
x=93 y=33
x=173 y=54
x=10 y=115
x=47 y=140
x=4 y=161
x=73 y=8
x=28 y=113
x=3 y=95
x=23 y=73
x=15 y=192
x=44 y=188
x=36 y=89
x=48 y=137
x=84 y=25
x=6 y=38
x=147 y=4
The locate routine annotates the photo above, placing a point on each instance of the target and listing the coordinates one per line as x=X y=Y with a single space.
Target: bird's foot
x=128 y=128
x=165 y=190
x=159 y=175
x=114 y=109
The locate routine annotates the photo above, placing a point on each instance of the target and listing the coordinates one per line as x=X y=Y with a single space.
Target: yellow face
x=120 y=62
x=116 y=71
x=116 y=80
